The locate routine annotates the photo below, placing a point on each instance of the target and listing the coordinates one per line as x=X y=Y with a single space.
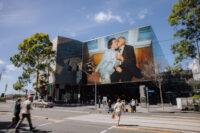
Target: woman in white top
x=108 y=62
x=118 y=110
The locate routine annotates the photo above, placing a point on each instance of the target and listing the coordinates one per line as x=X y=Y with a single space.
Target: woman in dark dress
x=16 y=117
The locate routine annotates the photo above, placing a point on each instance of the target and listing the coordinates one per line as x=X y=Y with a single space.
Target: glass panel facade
x=144 y=34
x=92 y=45
x=158 y=54
x=69 y=56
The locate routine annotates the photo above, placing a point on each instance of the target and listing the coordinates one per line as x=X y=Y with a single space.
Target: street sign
x=151 y=91
x=49 y=88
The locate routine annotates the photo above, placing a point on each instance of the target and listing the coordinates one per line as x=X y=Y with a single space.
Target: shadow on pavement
x=4 y=111
x=4 y=126
x=24 y=128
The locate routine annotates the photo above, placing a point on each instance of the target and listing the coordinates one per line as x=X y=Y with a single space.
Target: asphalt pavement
x=86 y=119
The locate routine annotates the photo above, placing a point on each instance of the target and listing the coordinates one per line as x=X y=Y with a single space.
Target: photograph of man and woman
x=117 y=63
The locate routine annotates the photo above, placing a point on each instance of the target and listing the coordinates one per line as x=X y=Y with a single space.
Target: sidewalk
x=104 y=109
x=159 y=109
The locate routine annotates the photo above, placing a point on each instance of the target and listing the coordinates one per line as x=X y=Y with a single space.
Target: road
x=78 y=120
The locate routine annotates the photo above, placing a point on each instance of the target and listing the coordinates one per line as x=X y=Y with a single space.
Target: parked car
x=42 y=103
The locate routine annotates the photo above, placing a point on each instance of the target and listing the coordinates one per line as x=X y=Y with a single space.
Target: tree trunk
x=37 y=77
x=197 y=47
x=37 y=80
x=161 y=97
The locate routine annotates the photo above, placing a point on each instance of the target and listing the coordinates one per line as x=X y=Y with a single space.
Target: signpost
x=147 y=98
x=151 y=91
x=49 y=88
x=148 y=91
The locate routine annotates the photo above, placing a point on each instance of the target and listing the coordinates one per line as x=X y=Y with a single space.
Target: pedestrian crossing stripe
x=145 y=130
x=36 y=117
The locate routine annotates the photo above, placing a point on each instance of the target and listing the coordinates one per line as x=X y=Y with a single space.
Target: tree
x=168 y=68
x=195 y=86
x=152 y=71
x=35 y=56
x=185 y=18
x=177 y=69
x=18 y=86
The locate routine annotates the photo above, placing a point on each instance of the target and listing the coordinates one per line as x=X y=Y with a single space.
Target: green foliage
x=185 y=18
x=196 y=96
x=18 y=96
x=18 y=86
x=35 y=56
x=195 y=86
x=176 y=69
x=168 y=68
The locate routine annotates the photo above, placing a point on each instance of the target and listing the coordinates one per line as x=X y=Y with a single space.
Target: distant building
x=195 y=69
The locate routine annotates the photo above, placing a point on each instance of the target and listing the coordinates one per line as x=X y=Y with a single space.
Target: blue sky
x=78 y=19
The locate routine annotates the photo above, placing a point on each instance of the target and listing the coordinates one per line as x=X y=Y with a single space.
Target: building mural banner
x=120 y=57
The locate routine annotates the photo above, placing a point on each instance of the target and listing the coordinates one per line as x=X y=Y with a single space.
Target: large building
x=82 y=65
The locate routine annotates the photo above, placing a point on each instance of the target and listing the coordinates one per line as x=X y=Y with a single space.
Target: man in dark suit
x=127 y=69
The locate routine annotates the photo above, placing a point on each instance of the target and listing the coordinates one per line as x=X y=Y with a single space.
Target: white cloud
x=10 y=68
x=72 y=34
x=130 y=19
x=2 y=62
x=142 y=14
x=102 y=17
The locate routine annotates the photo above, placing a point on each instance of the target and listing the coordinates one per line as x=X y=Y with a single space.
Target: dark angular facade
x=71 y=83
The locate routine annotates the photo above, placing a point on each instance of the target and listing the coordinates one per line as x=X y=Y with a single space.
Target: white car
x=42 y=103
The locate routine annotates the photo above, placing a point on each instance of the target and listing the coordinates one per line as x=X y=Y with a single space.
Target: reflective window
x=144 y=34
x=92 y=45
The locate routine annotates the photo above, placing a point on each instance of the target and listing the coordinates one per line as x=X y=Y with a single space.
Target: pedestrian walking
x=136 y=102
x=124 y=105
x=16 y=117
x=133 y=105
x=118 y=109
x=99 y=102
x=109 y=106
x=66 y=100
x=26 y=107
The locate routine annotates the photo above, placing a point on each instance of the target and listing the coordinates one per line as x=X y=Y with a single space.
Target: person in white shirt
x=118 y=109
x=26 y=107
x=133 y=105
